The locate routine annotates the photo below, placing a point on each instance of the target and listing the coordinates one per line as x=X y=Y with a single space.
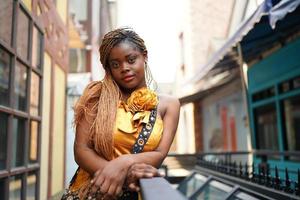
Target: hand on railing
x=138 y=171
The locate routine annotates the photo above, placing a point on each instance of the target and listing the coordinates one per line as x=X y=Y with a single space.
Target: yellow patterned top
x=131 y=116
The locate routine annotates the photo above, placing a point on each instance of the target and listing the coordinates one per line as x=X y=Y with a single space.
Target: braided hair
x=99 y=102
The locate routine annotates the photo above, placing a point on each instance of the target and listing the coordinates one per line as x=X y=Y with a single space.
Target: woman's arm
x=103 y=177
x=84 y=155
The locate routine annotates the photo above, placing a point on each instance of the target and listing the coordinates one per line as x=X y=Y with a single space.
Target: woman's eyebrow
x=113 y=60
x=131 y=54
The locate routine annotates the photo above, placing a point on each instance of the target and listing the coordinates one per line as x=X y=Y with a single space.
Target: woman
x=123 y=129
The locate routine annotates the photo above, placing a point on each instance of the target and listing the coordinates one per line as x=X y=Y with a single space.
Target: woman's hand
x=138 y=171
x=111 y=178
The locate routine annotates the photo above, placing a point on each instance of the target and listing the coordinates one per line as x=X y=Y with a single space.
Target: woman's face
x=127 y=64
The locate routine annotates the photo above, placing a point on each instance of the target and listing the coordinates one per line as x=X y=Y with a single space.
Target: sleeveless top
x=131 y=116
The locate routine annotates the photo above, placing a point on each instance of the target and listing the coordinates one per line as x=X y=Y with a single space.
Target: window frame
x=28 y=168
x=277 y=99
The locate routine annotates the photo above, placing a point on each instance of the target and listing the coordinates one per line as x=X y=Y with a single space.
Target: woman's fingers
x=133 y=187
x=144 y=171
x=119 y=191
x=104 y=187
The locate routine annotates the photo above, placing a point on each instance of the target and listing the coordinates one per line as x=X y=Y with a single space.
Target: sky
x=158 y=22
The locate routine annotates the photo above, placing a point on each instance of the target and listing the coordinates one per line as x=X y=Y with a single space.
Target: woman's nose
x=124 y=67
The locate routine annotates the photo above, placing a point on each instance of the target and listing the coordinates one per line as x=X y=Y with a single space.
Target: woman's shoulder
x=166 y=99
x=166 y=103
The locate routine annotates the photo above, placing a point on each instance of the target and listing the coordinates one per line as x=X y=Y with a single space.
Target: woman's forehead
x=123 y=49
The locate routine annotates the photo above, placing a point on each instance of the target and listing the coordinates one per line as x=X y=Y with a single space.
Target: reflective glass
x=36 y=48
x=266 y=127
x=192 y=184
x=214 y=190
x=242 y=196
x=22 y=34
x=6 y=16
x=2 y=186
x=33 y=142
x=3 y=140
x=292 y=123
x=15 y=186
x=20 y=87
x=19 y=127
x=34 y=94
x=4 y=77
x=31 y=186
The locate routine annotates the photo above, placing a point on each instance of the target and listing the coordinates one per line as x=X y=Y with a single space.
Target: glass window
x=242 y=196
x=270 y=92
x=292 y=123
x=3 y=140
x=6 y=17
x=34 y=94
x=214 y=190
x=296 y=83
x=20 y=87
x=77 y=60
x=22 y=34
x=192 y=185
x=78 y=8
x=15 y=186
x=2 y=187
x=4 y=77
x=31 y=186
x=266 y=127
x=19 y=128
x=33 y=142
x=285 y=87
x=36 y=48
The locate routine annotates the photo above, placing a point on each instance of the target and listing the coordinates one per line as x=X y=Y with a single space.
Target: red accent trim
x=224 y=127
x=233 y=134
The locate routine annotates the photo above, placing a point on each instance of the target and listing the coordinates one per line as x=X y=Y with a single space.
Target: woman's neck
x=127 y=92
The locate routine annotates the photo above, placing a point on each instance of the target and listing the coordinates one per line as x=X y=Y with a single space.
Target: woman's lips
x=128 y=78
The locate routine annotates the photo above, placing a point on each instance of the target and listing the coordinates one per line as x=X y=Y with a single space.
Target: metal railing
x=257 y=172
x=159 y=189
x=252 y=170
x=255 y=167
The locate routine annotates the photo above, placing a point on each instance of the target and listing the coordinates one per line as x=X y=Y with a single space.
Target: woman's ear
x=145 y=54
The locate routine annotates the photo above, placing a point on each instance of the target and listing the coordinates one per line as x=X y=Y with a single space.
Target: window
x=292 y=123
x=290 y=85
x=21 y=78
x=270 y=92
x=266 y=127
x=3 y=140
x=6 y=8
x=4 y=77
x=283 y=108
x=77 y=61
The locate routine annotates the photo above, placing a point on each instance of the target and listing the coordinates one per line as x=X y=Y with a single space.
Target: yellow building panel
x=61 y=7
x=45 y=126
x=59 y=120
x=27 y=4
x=74 y=37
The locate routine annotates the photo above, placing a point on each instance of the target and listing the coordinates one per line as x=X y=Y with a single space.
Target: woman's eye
x=131 y=60
x=114 y=65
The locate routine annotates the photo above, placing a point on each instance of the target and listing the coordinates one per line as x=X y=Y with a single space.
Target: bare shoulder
x=168 y=103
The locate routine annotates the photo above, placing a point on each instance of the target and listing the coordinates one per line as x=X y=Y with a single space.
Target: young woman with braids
x=113 y=116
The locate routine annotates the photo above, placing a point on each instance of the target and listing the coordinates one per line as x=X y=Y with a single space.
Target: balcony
x=228 y=175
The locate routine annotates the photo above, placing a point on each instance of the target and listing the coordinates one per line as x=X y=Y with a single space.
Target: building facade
x=263 y=50
x=33 y=69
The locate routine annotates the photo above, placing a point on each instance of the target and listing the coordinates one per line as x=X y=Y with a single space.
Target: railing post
x=287 y=187
x=277 y=179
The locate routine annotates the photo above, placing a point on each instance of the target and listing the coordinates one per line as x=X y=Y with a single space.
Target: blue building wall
x=269 y=75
